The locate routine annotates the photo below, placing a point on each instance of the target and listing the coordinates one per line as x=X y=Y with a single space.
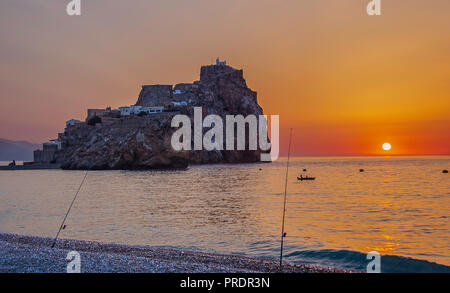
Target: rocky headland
x=112 y=141
x=124 y=143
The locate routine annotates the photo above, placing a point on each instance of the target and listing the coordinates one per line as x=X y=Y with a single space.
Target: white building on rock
x=72 y=122
x=135 y=110
x=221 y=63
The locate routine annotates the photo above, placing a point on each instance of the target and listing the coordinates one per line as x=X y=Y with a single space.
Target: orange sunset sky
x=345 y=81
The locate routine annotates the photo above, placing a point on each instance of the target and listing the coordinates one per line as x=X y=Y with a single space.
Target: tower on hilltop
x=220 y=63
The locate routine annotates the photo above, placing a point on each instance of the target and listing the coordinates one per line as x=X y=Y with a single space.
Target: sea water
x=399 y=207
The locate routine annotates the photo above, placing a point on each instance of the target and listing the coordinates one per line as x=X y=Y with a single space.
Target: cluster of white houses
x=123 y=112
x=49 y=149
x=136 y=110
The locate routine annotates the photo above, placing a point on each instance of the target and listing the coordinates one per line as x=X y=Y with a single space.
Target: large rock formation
x=125 y=143
x=222 y=90
x=144 y=142
x=154 y=95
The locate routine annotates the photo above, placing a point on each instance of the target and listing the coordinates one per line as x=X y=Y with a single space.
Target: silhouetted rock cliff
x=145 y=142
x=125 y=143
x=222 y=90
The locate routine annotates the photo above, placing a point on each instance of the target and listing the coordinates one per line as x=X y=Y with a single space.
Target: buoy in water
x=304 y=170
x=444 y=171
x=361 y=170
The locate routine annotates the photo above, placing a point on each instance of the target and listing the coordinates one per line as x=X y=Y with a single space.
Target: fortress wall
x=161 y=95
x=211 y=72
x=44 y=157
x=188 y=91
x=155 y=95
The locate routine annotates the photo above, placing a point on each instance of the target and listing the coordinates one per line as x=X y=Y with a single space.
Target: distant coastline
x=30 y=167
x=16 y=150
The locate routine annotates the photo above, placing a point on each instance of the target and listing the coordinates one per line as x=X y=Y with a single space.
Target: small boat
x=301 y=178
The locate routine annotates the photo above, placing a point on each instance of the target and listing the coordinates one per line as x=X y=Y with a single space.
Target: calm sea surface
x=399 y=207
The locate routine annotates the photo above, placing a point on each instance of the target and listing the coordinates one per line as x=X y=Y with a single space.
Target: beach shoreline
x=33 y=254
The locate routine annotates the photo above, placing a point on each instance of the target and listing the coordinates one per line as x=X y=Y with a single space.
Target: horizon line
x=363 y=155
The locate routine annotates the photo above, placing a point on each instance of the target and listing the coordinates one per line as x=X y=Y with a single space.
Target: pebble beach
x=32 y=254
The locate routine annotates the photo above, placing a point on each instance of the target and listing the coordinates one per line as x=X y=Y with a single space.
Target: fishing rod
x=283 y=234
x=70 y=207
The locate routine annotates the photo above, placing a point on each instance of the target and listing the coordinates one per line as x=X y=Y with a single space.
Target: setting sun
x=386 y=146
